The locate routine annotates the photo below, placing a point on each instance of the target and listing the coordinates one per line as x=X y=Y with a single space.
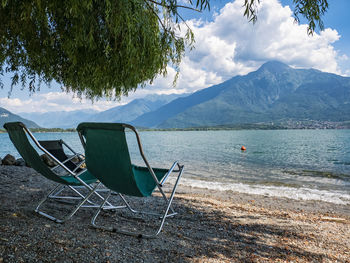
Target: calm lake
x=299 y=164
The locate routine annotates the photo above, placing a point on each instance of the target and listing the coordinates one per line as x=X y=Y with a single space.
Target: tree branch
x=176 y=6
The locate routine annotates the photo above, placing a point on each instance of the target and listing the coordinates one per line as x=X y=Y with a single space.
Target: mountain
x=124 y=113
x=135 y=108
x=274 y=92
x=7 y=116
x=59 y=119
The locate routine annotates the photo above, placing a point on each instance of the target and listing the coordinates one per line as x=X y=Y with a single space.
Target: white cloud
x=52 y=101
x=230 y=45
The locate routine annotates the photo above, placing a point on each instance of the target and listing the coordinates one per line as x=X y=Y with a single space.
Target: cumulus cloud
x=52 y=101
x=230 y=45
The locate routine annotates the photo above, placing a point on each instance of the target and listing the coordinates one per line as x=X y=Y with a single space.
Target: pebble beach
x=210 y=227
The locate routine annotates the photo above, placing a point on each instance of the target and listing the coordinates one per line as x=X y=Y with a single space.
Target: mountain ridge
x=135 y=108
x=274 y=91
x=7 y=116
x=120 y=113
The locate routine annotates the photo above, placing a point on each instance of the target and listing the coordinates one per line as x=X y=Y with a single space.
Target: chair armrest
x=169 y=172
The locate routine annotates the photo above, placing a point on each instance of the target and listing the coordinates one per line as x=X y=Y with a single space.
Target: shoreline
x=211 y=226
x=271 y=202
x=270 y=128
x=280 y=192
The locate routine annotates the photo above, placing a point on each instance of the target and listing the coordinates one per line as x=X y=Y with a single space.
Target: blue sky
x=226 y=45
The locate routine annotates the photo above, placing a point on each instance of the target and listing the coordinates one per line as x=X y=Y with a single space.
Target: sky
x=226 y=45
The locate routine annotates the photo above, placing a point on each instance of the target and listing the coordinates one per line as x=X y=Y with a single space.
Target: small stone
x=20 y=162
x=47 y=160
x=9 y=160
x=75 y=159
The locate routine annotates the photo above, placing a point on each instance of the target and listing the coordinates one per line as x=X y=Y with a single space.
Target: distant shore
x=211 y=226
x=39 y=130
x=215 y=128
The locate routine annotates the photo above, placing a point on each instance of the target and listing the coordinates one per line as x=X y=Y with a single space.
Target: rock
x=75 y=159
x=46 y=159
x=20 y=162
x=0 y=161
x=9 y=160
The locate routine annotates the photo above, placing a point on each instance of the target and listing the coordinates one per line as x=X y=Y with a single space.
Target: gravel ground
x=210 y=227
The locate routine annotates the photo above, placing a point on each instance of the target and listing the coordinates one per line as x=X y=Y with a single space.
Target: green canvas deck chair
x=107 y=158
x=70 y=179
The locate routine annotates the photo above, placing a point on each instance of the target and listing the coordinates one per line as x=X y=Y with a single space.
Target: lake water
x=299 y=164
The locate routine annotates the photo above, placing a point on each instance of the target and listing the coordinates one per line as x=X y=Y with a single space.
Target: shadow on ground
x=201 y=232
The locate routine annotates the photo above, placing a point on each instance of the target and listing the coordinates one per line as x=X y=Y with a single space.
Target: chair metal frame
x=159 y=185
x=80 y=156
x=59 y=188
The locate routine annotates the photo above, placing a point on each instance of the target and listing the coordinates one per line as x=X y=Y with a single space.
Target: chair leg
x=137 y=234
x=57 y=220
x=169 y=204
x=66 y=199
x=43 y=201
x=81 y=196
x=56 y=194
x=127 y=205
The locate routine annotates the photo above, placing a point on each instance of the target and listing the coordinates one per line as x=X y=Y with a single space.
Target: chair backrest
x=55 y=147
x=107 y=156
x=26 y=150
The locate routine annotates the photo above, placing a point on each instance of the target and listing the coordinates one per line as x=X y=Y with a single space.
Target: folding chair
x=108 y=159
x=18 y=134
x=55 y=147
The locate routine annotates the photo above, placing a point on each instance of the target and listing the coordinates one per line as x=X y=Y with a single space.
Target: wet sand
x=210 y=227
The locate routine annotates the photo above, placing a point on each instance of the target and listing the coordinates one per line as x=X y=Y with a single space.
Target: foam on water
x=302 y=193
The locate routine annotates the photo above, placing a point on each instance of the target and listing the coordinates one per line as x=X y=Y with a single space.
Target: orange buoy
x=243 y=148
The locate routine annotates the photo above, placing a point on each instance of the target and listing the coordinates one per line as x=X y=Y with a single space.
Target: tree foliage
x=96 y=48
x=102 y=48
x=312 y=10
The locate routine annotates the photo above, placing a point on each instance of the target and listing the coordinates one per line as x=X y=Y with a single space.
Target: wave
x=302 y=193
x=320 y=174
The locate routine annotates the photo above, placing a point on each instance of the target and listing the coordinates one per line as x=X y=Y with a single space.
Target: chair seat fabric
x=108 y=159
x=87 y=177
x=144 y=179
x=31 y=156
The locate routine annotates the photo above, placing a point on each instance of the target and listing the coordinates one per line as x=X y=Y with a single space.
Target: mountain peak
x=273 y=93
x=274 y=66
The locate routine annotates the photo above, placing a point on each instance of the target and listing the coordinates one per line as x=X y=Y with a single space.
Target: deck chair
x=18 y=134
x=55 y=147
x=108 y=159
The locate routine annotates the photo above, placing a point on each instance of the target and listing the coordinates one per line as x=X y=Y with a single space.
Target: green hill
x=274 y=92
x=7 y=116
